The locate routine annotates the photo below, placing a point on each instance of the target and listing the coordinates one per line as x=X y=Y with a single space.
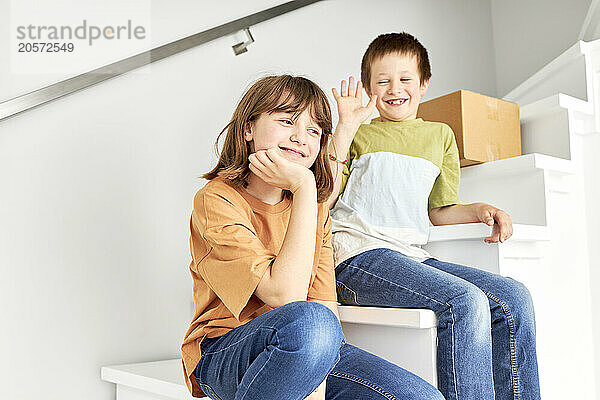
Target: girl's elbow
x=289 y=295
x=277 y=301
x=275 y=295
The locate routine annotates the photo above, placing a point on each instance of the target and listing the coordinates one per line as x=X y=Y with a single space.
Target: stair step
x=516 y=165
x=157 y=378
x=452 y=233
x=552 y=126
x=518 y=185
x=398 y=317
x=566 y=73
x=551 y=104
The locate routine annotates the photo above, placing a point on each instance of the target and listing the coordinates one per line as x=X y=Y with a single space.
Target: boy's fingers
x=343 y=90
x=506 y=229
x=351 y=88
x=495 y=235
x=359 y=91
x=509 y=226
x=502 y=231
x=336 y=95
x=493 y=238
x=487 y=218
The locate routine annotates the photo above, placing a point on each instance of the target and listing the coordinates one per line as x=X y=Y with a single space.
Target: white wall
x=592 y=199
x=530 y=34
x=96 y=188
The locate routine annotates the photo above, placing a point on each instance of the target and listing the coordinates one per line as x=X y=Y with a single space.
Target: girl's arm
x=288 y=277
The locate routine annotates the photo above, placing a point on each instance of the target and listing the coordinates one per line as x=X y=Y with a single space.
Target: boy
x=400 y=174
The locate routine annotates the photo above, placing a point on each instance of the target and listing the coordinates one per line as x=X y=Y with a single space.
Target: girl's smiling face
x=396 y=82
x=298 y=137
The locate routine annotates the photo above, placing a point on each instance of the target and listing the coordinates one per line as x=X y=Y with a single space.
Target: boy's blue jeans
x=285 y=353
x=486 y=325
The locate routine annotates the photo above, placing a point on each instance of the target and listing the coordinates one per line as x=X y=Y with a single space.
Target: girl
x=265 y=323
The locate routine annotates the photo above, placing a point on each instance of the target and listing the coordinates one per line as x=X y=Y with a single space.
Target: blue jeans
x=285 y=354
x=486 y=324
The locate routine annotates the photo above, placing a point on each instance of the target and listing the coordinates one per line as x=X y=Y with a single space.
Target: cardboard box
x=486 y=128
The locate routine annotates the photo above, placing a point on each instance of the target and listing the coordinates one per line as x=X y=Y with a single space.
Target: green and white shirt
x=396 y=173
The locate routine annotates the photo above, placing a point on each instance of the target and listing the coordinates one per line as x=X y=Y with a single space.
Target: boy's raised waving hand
x=351 y=111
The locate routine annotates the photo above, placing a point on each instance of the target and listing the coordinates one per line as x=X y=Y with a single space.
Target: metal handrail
x=52 y=92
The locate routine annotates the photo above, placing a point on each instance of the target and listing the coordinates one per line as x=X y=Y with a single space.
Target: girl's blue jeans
x=486 y=325
x=285 y=353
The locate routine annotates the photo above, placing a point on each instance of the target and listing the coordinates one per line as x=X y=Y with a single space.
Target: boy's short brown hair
x=403 y=43
x=273 y=94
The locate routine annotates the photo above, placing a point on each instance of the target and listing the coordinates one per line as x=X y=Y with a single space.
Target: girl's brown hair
x=274 y=94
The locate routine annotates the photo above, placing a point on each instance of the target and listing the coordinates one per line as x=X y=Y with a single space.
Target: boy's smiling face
x=396 y=82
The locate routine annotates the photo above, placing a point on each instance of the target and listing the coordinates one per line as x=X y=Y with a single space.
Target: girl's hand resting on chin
x=273 y=168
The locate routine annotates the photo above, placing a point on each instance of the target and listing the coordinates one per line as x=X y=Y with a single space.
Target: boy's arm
x=342 y=139
x=476 y=212
x=444 y=204
x=351 y=114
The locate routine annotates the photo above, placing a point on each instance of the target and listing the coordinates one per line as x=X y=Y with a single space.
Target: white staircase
x=406 y=337
x=575 y=73
x=560 y=119
x=549 y=192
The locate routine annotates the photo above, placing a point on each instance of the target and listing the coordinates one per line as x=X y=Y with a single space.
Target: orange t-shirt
x=234 y=239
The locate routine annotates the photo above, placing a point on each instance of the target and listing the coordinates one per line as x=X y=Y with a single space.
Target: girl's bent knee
x=313 y=328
